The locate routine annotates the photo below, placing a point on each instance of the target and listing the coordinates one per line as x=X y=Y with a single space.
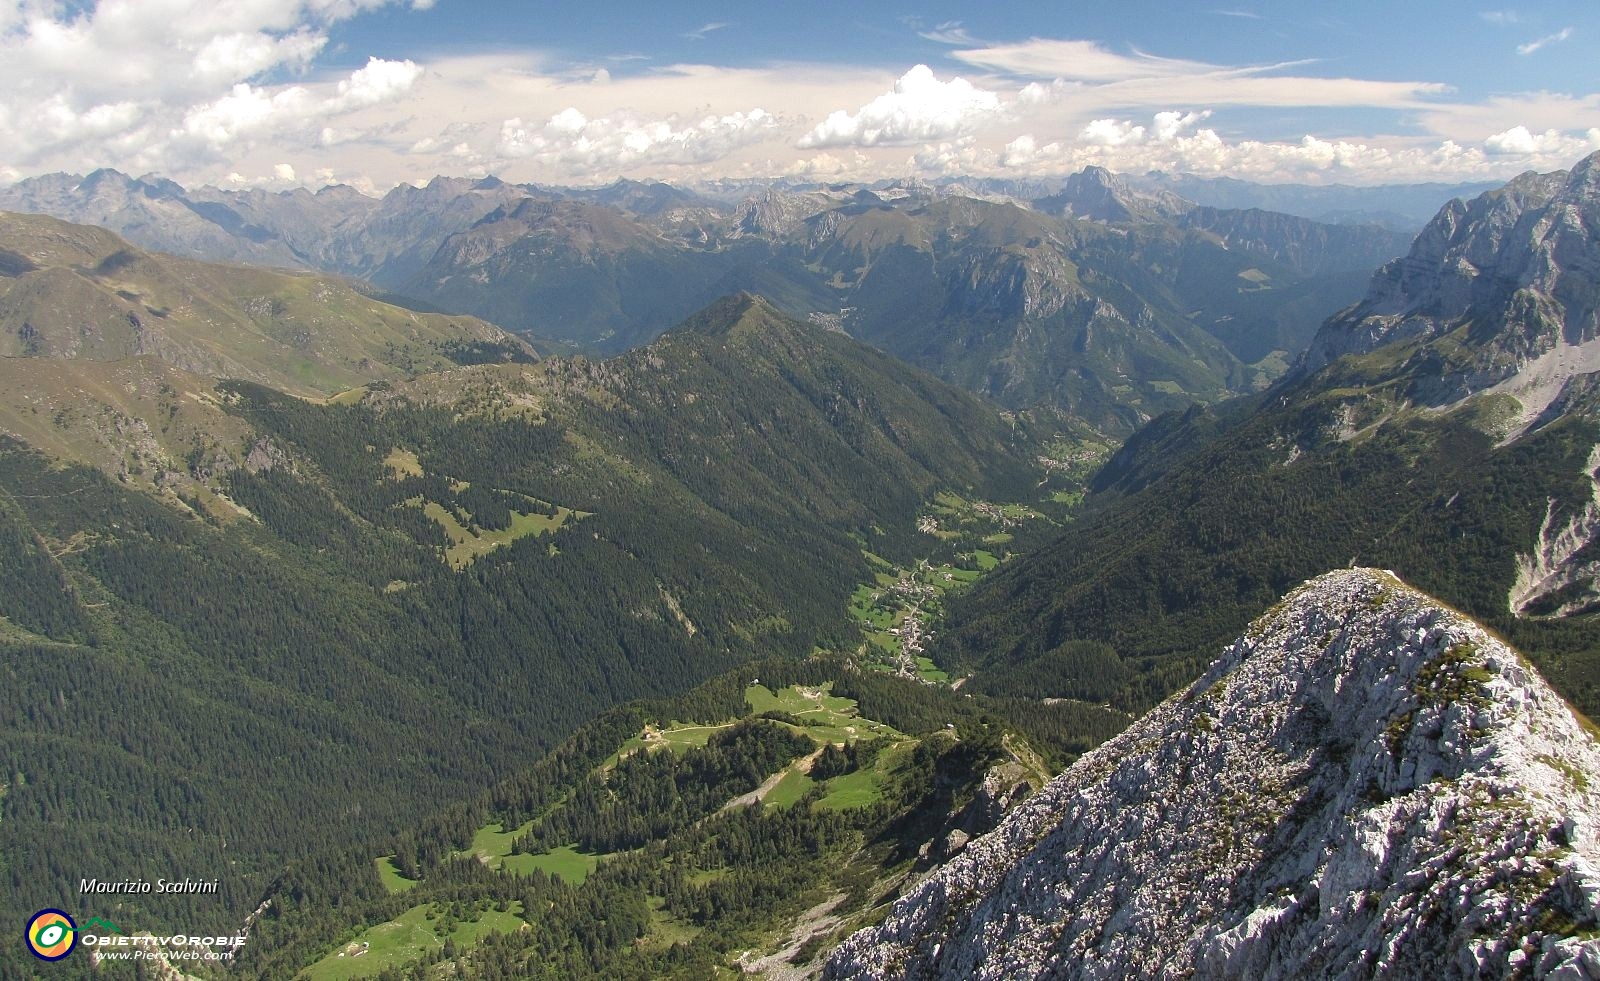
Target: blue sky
x=1472 y=47
x=373 y=92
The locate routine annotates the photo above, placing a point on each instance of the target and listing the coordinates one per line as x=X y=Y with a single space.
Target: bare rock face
x=1366 y=784
x=1003 y=787
x=1099 y=195
x=1498 y=294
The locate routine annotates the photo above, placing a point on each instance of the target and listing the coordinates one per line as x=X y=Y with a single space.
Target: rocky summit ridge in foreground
x=1365 y=784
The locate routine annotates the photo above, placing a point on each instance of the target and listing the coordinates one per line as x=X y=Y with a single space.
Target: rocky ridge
x=1497 y=295
x=1365 y=784
x=1100 y=195
x=1308 y=246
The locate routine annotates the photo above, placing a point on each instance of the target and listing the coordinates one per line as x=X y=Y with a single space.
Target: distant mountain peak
x=1098 y=194
x=1365 y=784
x=737 y=313
x=106 y=174
x=1586 y=172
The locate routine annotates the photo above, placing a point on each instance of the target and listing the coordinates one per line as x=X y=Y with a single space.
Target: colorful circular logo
x=51 y=934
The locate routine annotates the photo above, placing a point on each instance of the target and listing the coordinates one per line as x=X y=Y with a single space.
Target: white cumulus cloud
x=1111 y=132
x=378 y=82
x=249 y=112
x=1167 y=125
x=229 y=57
x=578 y=145
x=919 y=108
x=953 y=157
x=827 y=165
x=1025 y=153
x=1172 y=142
x=243 y=111
x=141 y=83
x=1520 y=141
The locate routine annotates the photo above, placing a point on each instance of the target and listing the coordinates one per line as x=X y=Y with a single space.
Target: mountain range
x=287 y=621
x=1237 y=830
x=1100 y=298
x=1439 y=428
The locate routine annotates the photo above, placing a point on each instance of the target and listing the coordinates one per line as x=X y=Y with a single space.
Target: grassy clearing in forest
x=406 y=938
x=467 y=544
x=492 y=843
x=402 y=464
x=392 y=880
x=571 y=865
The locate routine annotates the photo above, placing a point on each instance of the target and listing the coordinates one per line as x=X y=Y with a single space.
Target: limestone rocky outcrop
x=1365 y=784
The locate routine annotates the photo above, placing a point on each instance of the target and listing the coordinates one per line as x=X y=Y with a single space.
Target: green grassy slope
x=81 y=293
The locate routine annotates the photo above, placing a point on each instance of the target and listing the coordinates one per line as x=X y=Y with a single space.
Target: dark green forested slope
x=433 y=581
x=677 y=883
x=1205 y=517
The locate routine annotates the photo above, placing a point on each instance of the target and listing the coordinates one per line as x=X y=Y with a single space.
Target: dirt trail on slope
x=761 y=792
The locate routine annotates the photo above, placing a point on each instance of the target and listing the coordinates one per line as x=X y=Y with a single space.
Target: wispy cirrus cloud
x=948 y=32
x=1091 y=76
x=1074 y=60
x=1500 y=17
x=1544 y=42
x=700 y=33
x=1242 y=14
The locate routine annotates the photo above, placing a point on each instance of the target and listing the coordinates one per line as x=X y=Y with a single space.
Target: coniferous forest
x=220 y=690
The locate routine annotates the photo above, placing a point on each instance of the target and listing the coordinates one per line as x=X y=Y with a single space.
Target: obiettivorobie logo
x=51 y=934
